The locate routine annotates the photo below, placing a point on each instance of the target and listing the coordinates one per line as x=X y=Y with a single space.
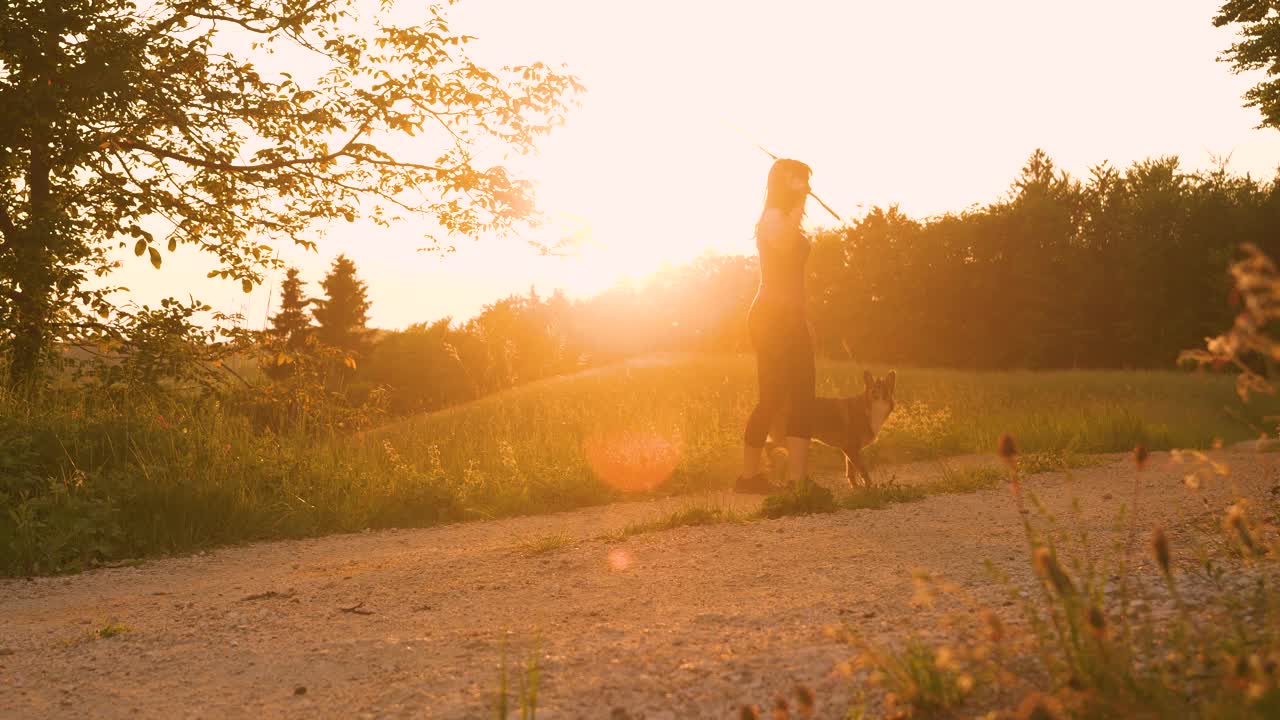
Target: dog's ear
x=891 y=379
x=867 y=379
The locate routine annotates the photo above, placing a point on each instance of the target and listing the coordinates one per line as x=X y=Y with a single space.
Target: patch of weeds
x=544 y=544
x=689 y=516
x=1050 y=461
x=953 y=482
x=926 y=679
x=106 y=631
x=112 y=629
x=967 y=480
x=806 y=498
x=529 y=679
x=805 y=706
x=878 y=496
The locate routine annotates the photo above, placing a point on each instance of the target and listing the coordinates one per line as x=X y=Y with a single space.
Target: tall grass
x=90 y=477
x=1196 y=633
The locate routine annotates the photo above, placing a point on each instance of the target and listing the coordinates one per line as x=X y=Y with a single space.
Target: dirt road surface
x=684 y=623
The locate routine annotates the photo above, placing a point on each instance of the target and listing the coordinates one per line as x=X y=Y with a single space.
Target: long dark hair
x=780 y=193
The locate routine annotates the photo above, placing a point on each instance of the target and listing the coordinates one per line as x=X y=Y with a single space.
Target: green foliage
x=423 y=368
x=150 y=349
x=1258 y=49
x=516 y=340
x=100 y=474
x=152 y=126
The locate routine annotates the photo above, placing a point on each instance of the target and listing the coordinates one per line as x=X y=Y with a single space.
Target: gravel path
x=682 y=623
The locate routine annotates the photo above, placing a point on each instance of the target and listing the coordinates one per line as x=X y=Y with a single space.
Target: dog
x=849 y=424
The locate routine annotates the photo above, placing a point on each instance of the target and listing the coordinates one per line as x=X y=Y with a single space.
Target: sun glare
x=627 y=192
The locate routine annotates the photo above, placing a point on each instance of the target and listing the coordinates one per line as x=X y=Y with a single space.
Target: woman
x=778 y=329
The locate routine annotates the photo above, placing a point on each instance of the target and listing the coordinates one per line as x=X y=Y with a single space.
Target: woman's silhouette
x=779 y=330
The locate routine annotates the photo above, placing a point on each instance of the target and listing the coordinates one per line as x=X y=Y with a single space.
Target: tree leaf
x=155 y=258
x=140 y=247
x=246 y=285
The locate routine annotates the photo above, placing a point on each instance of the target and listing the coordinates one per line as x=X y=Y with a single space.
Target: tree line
x=1119 y=269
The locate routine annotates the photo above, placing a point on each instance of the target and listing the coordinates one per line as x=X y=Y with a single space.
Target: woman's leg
x=771 y=377
x=800 y=389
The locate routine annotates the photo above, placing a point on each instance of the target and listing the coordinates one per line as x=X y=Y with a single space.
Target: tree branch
x=230 y=167
x=280 y=22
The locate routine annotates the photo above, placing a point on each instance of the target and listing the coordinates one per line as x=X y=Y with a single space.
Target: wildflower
x=1140 y=456
x=1006 y=448
x=805 y=700
x=1097 y=622
x=1242 y=667
x=965 y=683
x=995 y=629
x=1235 y=522
x=1049 y=569
x=781 y=711
x=1160 y=547
x=923 y=595
x=749 y=712
x=945 y=658
x=1036 y=707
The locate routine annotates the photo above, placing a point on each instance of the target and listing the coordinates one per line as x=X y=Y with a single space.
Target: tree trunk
x=32 y=265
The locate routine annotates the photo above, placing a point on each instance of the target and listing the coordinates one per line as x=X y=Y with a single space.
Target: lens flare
x=631 y=461
x=619 y=559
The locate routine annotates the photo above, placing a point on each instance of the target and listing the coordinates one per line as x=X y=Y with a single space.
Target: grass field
x=94 y=479
x=689 y=412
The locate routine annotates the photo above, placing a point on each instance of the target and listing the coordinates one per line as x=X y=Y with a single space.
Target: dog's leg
x=854 y=458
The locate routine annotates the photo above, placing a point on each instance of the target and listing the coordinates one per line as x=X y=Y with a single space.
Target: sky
x=933 y=105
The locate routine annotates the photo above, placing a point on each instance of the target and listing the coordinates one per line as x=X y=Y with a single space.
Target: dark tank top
x=782 y=261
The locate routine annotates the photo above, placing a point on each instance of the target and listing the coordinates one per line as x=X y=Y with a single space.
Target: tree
x=342 y=313
x=179 y=122
x=1258 y=50
x=292 y=324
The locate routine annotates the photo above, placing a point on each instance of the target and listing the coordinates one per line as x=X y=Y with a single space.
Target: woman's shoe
x=757 y=484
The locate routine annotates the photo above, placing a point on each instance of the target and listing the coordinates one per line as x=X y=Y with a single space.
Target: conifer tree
x=342 y=313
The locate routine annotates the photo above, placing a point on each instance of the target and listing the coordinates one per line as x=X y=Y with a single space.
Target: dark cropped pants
x=785 y=369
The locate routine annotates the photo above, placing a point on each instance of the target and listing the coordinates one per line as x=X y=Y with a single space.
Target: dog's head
x=879 y=397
